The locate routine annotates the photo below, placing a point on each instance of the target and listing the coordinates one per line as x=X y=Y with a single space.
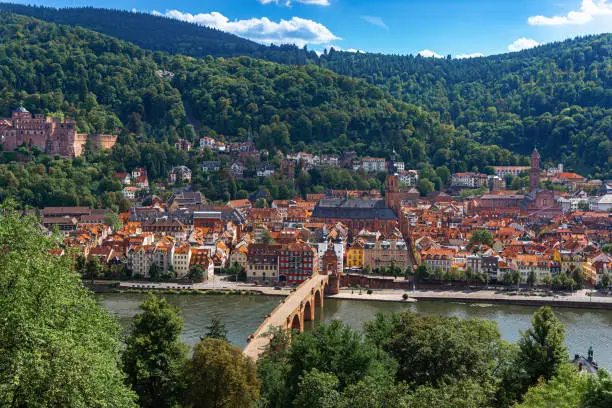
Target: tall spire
x=534 y=174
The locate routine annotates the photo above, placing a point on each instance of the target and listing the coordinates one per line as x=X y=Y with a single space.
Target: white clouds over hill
x=297 y=30
x=428 y=54
x=522 y=44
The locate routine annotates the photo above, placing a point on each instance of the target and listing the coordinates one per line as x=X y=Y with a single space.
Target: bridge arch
x=296 y=323
x=309 y=311
x=290 y=314
x=318 y=298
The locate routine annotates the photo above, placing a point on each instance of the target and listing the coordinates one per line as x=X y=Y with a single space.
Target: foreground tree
x=154 y=357
x=541 y=348
x=599 y=390
x=564 y=390
x=318 y=390
x=219 y=376
x=58 y=347
x=433 y=350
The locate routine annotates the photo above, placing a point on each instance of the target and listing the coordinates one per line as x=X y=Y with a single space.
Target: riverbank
x=579 y=299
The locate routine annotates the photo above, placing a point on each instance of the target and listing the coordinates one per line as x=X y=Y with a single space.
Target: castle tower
x=534 y=175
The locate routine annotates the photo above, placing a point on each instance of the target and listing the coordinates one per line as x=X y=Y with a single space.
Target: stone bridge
x=291 y=314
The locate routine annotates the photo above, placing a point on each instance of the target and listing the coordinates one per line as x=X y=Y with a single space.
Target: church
x=52 y=135
x=537 y=202
x=384 y=215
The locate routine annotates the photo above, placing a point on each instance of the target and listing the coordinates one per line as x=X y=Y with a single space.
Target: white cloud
x=522 y=44
x=377 y=21
x=297 y=30
x=473 y=55
x=428 y=54
x=288 y=2
x=589 y=11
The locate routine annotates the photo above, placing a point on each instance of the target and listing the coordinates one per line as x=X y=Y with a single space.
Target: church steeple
x=534 y=174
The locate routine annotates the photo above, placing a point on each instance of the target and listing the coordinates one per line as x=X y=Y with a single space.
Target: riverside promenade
x=578 y=299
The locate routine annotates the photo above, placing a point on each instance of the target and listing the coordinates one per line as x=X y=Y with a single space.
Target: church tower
x=392 y=197
x=534 y=175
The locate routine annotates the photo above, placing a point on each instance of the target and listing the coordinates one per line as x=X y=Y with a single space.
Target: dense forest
x=557 y=96
x=160 y=33
x=107 y=84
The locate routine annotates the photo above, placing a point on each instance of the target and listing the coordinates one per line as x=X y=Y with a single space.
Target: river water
x=243 y=314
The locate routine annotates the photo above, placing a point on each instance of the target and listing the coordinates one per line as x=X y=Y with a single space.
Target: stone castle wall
x=51 y=135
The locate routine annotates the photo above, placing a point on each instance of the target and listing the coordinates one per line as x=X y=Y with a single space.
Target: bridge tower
x=330 y=268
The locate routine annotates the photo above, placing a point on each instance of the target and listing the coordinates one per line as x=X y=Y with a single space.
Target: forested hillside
x=106 y=83
x=557 y=96
x=159 y=33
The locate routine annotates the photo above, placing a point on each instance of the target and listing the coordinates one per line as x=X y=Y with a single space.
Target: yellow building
x=354 y=255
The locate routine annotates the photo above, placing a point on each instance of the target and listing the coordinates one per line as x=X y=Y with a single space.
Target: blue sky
x=432 y=27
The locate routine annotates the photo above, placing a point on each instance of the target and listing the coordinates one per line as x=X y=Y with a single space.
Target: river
x=243 y=314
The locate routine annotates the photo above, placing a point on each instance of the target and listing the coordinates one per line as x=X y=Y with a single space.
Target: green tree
x=579 y=279
x=541 y=347
x=318 y=390
x=216 y=330
x=196 y=273
x=333 y=348
x=266 y=238
x=220 y=376
x=58 y=346
x=376 y=391
x=154 y=272
x=112 y=220
x=425 y=186
x=599 y=390
x=93 y=269
x=583 y=205
x=605 y=281
x=155 y=356
x=422 y=272
x=464 y=394
x=547 y=281
x=565 y=390
x=437 y=349
x=481 y=237
x=531 y=279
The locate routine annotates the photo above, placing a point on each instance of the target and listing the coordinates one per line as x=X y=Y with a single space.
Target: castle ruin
x=52 y=135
